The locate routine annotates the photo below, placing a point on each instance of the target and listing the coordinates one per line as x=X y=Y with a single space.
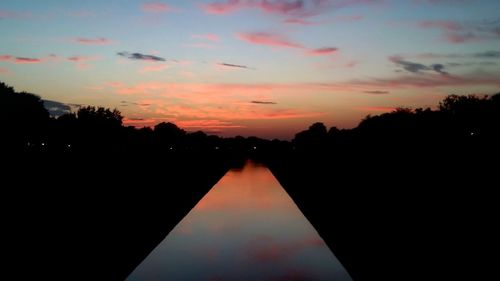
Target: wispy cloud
x=233 y=65
x=377 y=92
x=139 y=56
x=295 y=8
x=458 y=32
x=322 y=51
x=442 y=2
x=477 y=55
x=93 y=41
x=209 y=36
x=430 y=81
x=156 y=7
x=281 y=41
x=21 y=60
x=263 y=102
x=307 y=22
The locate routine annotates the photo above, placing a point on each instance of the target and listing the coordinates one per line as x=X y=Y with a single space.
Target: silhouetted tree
x=23 y=116
x=168 y=134
x=313 y=138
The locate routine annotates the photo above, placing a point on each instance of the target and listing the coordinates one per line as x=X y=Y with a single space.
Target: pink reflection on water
x=245 y=228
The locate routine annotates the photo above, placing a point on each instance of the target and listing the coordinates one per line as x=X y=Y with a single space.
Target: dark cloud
x=488 y=55
x=263 y=102
x=55 y=108
x=414 y=67
x=439 y=68
x=377 y=92
x=139 y=56
x=233 y=65
x=127 y=103
x=468 y=64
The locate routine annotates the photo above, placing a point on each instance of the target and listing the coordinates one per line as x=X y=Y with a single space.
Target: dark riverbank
x=86 y=217
x=389 y=213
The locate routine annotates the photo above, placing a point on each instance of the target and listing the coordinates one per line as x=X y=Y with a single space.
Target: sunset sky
x=250 y=67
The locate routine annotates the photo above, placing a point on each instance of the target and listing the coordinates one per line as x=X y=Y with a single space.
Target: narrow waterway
x=245 y=228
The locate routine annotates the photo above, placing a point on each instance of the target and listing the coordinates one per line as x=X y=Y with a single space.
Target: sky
x=268 y=68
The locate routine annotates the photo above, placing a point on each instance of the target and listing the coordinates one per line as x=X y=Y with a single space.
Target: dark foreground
x=95 y=217
x=407 y=195
x=395 y=214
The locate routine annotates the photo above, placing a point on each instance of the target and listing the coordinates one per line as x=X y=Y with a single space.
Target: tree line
x=28 y=126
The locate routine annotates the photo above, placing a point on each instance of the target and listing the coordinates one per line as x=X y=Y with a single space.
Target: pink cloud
x=298 y=8
x=6 y=58
x=27 y=60
x=300 y=21
x=322 y=51
x=93 y=41
x=306 y=22
x=219 y=8
x=269 y=39
x=209 y=36
x=156 y=7
x=276 y=7
x=283 y=6
x=281 y=41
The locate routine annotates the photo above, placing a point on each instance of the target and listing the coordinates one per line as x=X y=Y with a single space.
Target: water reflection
x=245 y=228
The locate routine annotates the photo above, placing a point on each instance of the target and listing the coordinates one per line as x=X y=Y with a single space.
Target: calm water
x=245 y=228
